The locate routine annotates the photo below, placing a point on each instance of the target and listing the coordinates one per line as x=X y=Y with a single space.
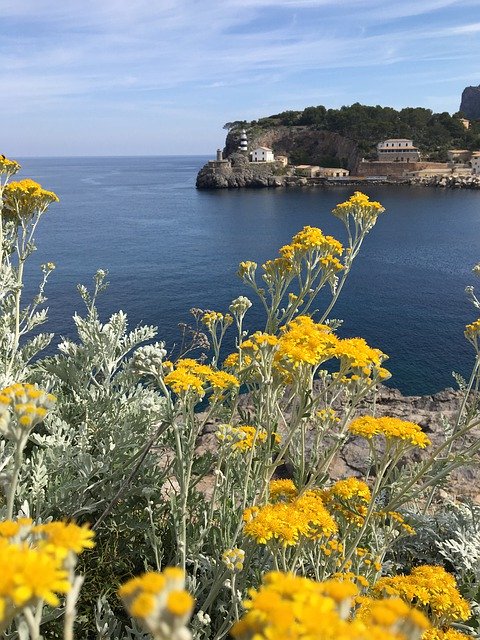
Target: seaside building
x=283 y=160
x=397 y=150
x=307 y=170
x=475 y=163
x=243 y=146
x=333 y=172
x=263 y=154
x=459 y=156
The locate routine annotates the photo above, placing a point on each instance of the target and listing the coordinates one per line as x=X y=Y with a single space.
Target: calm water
x=169 y=247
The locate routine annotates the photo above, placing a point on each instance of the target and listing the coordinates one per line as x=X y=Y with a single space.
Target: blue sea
x=169 y=247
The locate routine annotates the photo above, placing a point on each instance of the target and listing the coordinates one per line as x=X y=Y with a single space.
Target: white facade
x=263 y=154
x=475 y=162
x=397 y=150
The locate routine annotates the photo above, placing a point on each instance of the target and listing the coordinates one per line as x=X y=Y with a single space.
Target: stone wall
x=397 y=169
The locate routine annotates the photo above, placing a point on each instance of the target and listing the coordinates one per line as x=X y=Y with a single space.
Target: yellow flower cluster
x=303 y=518
x=242 y=438
x=8 y=167
x=27 y=404
x=66 y=535
x=159 y=601
x=311 y=239
x=295 y=608
x=232 y=361
x=304 y=342
x=363 y=211
x=350 y=498
x=259 y=340
x=391 y=428
x=472 y=331
x=277 y=269
x=189 y=376
x=396 y=517
x=354 y=353
x=25 y=198
x=210 y=318
x=34 y=563
x=351 y=488
x=327 y=415
x=282 y=490
x=430 y=588
x=233 y=559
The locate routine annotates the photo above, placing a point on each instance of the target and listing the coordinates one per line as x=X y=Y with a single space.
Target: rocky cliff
x=470 y=105
x=303 y=145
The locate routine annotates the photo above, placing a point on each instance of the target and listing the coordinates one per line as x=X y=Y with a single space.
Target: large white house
x=263 y=154
x=397 y=150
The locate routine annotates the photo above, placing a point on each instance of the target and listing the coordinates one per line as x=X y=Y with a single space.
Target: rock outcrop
x=448 y=181
x=470 y=105
x=239 y=172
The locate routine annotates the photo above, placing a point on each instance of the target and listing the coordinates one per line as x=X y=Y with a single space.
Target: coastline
x=243 y=174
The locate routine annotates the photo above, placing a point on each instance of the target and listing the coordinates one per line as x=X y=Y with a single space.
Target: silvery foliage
x=84 y=453
x=31 y=316
x=108 y=626
x=451 y=535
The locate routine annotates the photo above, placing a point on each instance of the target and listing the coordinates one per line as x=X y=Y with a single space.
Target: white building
x=475 y=162
x=263 y=154
x=397 y=150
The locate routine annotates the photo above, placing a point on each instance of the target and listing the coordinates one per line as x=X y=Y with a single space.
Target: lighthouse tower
x=243 y=146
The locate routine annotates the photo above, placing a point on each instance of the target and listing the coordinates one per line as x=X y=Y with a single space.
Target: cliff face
x=470 y=105
x=303 y=145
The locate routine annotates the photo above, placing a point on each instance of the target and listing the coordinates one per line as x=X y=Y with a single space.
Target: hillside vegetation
x=433 y=133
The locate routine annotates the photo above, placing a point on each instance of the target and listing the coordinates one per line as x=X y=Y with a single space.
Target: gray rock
x=470 y=105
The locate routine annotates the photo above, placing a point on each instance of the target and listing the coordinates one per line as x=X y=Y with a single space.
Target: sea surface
x=169 y=247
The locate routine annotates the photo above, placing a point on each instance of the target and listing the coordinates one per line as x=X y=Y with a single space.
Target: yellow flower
x=67 y=535
x=363 y=211
x=291 y=607
x=9 y=167
x=28 y=576
x=25 y=198
x=233 y=559
x=390 y=428
x=431 y=588
x=304 y=342
x=304 y=518
x=282 y=490
x=27 y=404
x=160 y=602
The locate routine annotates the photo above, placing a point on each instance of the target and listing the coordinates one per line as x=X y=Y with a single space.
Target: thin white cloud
x=81 y=53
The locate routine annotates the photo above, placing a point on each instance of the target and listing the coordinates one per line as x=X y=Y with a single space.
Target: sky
x=155 y=77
